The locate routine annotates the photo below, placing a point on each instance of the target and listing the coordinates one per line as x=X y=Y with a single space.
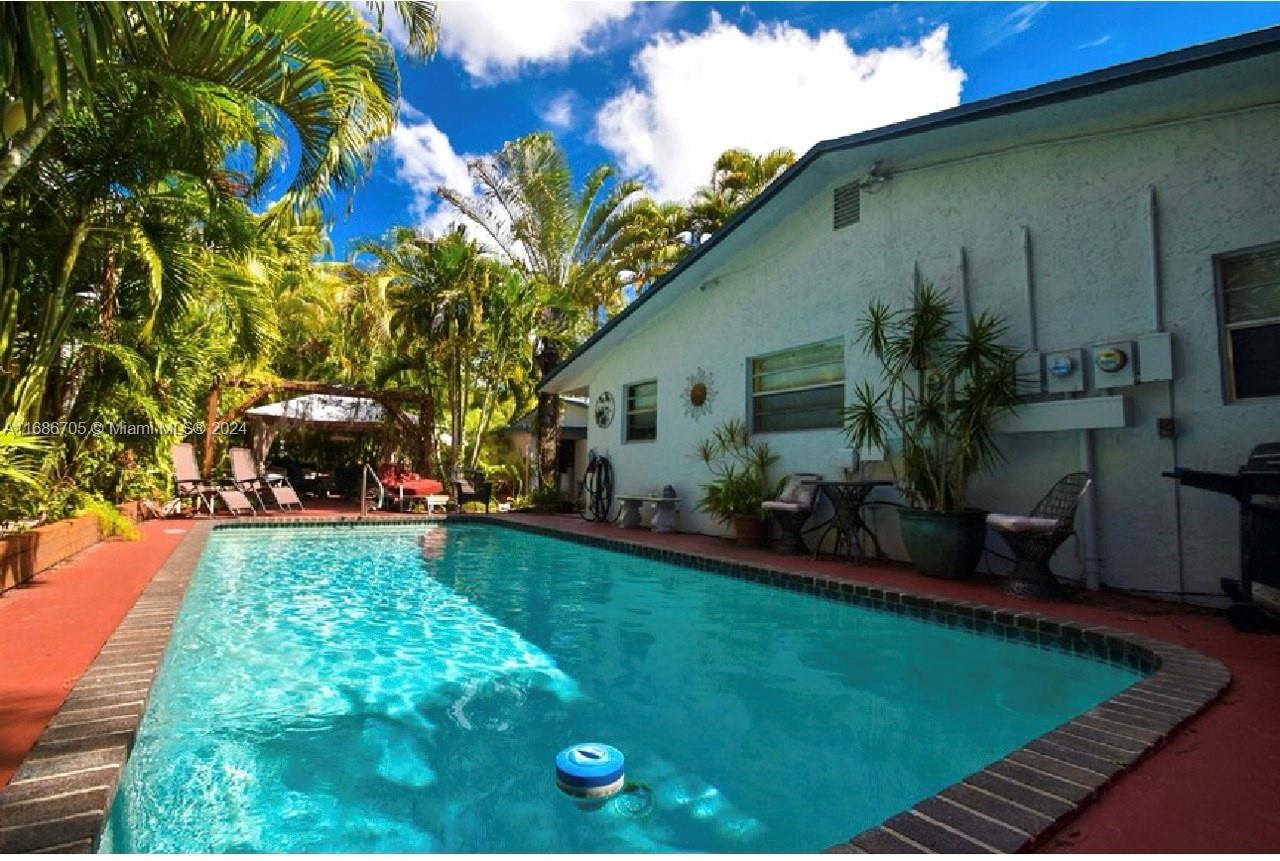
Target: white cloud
x=1014 y=23
x=425 y=160
x=409 y=112
x=494 y=39
x=558 y=113
x=1098 y=42
x=699 y=94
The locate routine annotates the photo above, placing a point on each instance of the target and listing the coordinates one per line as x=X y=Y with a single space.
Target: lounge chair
x=792 y=508
x=1034 y=538
x=244 y=473
x=406 y=487
x=472 y=487
x=191 y=485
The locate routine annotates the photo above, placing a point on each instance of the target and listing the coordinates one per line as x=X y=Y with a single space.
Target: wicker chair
x=792 y=508
x=1035 y=538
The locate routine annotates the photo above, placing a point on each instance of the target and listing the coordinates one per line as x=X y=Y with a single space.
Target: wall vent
x=848 y=205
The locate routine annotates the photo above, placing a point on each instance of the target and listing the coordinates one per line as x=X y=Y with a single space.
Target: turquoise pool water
x=386 y=688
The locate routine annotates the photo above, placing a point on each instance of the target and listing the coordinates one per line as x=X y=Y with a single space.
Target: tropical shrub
x=740 y=469
x=547 y=500
x=943 y=391
x=110 y=521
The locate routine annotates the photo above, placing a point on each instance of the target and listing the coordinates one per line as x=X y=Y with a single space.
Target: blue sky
x=659 y=88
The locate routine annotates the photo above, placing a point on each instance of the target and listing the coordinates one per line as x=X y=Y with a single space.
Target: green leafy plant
x=547 y=500
x=740 y=469
x=20 y=456
x=110 y=520
x=943 y=392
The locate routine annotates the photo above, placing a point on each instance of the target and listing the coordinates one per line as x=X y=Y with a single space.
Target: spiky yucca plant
x=944 y=389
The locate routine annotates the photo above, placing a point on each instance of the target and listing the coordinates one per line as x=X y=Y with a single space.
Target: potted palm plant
x=740 y=484
x=934 y=415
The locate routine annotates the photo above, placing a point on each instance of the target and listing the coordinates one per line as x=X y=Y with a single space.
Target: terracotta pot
x=945 y=544
x=748 y=531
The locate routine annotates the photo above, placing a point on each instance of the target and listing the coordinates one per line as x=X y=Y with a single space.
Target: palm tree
x=209 y=80
x=436 y=291
x=653 y=238
x=318 y=67
x=561 y=238
x=737 y=177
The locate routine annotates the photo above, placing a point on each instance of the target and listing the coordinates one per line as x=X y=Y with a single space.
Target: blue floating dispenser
x=590 y=771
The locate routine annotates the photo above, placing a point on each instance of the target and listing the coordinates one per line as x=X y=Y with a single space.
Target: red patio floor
x=1212 y=787
x=54 y=625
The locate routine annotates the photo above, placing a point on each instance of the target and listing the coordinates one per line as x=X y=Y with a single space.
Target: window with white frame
x=642 y=412
x=798 y=389
x=1249 y=296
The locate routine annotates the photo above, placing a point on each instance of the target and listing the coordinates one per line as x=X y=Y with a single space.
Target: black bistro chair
x=1036 y=537
x=791 y=509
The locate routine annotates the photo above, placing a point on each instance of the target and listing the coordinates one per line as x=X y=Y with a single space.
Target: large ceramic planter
x=748 y=531
x=944 y=544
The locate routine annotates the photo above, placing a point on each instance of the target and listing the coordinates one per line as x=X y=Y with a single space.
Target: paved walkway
x=53 y=626
x=1211 y=788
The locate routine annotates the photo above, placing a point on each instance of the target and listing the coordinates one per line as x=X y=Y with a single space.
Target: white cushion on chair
x=789 y=489
x=776 y=505
x=799 y=487
x=1021 y=523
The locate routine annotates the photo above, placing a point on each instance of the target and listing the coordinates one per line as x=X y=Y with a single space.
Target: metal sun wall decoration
x=699 y=392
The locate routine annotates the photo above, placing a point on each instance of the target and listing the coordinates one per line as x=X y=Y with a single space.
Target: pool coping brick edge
x=58 y=799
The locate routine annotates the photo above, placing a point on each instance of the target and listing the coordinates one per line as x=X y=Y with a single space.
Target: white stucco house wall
x=1116 y=208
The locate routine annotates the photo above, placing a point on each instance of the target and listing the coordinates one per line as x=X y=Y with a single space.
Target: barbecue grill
x=1256 y=487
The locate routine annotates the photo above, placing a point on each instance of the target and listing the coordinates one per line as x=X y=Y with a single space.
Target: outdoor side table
x=847 y=499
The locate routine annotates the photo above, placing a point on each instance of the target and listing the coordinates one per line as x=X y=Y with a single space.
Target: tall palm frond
x=737 y=176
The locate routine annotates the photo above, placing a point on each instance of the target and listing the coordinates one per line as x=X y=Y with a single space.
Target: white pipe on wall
x=1089 y=516
x=1030 y=285
x=1157 y=320
x=1153 y=259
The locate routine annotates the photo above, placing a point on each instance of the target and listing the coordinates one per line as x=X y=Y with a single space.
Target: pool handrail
x=364 y=495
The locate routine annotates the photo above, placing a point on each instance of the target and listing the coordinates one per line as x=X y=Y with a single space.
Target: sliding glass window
x=798 y=389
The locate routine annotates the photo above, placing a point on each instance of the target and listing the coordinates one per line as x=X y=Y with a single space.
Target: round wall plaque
x=604 y=409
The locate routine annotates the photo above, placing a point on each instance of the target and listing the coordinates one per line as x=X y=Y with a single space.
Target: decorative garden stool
x=1036 y=537
x=665 y=512
x=629 y=511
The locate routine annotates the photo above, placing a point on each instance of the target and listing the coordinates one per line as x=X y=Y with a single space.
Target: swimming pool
x=390 y=688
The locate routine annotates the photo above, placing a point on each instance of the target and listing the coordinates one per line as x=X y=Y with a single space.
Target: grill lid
x=1263 y=460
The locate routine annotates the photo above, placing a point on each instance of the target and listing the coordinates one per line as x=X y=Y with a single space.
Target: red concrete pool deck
x=1210 y=788
x=54 y=625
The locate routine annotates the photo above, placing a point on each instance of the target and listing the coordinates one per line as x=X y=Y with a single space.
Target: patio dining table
x=847 y=499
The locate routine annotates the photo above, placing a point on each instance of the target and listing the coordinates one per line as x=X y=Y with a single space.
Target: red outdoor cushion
x=417 y=487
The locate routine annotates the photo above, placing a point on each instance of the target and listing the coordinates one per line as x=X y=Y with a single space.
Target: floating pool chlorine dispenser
x=590 y=771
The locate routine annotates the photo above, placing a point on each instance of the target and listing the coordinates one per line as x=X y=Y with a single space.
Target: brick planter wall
x=26 y=554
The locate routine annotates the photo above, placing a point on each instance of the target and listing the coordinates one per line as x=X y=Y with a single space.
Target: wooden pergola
x=392 y=401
